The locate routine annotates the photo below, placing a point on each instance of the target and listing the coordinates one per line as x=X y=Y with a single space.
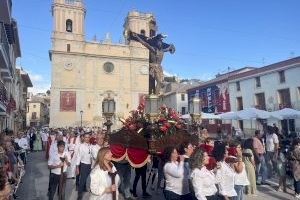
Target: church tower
x=142 y=23
x=68 y=20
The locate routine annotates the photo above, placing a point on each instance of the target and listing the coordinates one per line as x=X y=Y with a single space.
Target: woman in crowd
x=224 y=172
x=37 y=144
x=240 y=179
x=295 y=159
x=248 y=158
x=281 y=170
x=177 y=180
x=203 y=180
x=101 y=181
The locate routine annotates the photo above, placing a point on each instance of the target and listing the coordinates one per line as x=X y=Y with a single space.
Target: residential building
x=38 y=111
x=270 y=88
x=214 y=95
x=22 y=82
x=9 y=51
x=175 y=95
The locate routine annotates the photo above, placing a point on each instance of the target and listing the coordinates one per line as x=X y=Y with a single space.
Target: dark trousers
x=54 y=183
x=31 y=144
x=297 y=186
x=169 y=195
x=23 y=157
x=84 y=173
x=140 y=172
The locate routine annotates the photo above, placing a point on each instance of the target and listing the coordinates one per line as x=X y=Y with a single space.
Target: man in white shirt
x=44 y=136
x=58 y=163
x=272 y=145
x=23 y=144
x=97 y=147
x=71 y=148
x=83 y=164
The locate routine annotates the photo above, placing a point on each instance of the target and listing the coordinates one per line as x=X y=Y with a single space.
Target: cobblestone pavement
x=35 y=184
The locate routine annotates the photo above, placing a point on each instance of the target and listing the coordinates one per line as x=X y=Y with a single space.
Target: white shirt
x=23 y=143
x=204 y=183
x=44 y=136
x=95 y=149
x=84 y=154
x=271 y=139
x=225 y=179
x=53 y=148
x=241 y=178
x=100 y=180
x=176 y=178
x=54 y=160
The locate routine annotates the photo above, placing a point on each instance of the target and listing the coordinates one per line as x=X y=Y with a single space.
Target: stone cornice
x=98 y=56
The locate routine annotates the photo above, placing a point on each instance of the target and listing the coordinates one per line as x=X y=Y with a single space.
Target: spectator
x=4 y=186
x=259 y=152
x=248 y=158
x=272 y=145
x=281 y=170
x=295 y=159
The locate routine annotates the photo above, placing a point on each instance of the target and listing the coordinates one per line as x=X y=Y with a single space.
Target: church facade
x=84 y=73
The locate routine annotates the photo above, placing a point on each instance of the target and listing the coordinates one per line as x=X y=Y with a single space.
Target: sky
x=210 y=36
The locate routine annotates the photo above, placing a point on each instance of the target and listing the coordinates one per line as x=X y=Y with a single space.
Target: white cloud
x=39 y=88
x=169 y=73
x=36 y=77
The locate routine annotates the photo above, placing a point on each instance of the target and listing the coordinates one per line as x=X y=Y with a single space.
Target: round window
x=108 y=67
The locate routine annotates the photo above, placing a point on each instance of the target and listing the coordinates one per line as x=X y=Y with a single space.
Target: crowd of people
x=212 y=169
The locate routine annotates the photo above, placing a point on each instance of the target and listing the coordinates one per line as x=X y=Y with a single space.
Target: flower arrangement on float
x=167 y=122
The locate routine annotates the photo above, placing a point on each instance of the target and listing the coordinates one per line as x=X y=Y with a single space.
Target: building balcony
x=3 y=98
x=5 y=10
x=4 y=50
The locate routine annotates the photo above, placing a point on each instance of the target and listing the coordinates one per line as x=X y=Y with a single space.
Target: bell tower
x=139 y=22
x=68 y=19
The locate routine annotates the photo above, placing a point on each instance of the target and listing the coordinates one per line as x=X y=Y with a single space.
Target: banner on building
x=67 y=101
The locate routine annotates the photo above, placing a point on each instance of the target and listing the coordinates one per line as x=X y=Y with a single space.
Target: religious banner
x=67 y=101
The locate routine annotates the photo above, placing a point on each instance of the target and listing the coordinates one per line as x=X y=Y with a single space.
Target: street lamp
x=108 y=109
x=151 y=110
x=81 y=113
x=195 y=112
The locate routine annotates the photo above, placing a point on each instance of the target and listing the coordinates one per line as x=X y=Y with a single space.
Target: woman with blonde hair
x=101 y=186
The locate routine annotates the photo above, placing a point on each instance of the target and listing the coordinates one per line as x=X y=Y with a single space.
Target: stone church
x=84 y=73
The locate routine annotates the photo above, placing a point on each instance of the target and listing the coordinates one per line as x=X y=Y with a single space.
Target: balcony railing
x=4 y=40
x=3 y=95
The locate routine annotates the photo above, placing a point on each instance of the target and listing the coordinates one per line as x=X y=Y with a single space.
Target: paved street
x=35 y=183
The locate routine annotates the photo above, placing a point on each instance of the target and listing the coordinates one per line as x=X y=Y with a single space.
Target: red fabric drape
x=136 y=155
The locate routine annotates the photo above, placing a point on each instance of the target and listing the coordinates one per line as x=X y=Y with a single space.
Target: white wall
x=174 y=101
x=269 y=86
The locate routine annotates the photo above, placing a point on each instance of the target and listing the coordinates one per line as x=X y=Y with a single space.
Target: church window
x=108 y=67
x=143 y=32
x=69 y=24
x=68 y=47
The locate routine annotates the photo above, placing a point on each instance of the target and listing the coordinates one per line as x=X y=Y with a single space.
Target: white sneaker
x=297 y=196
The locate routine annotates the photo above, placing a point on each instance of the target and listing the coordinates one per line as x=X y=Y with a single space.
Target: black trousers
x=140 y=172
x=54 y=183
x=84 y=172
x=23 y=157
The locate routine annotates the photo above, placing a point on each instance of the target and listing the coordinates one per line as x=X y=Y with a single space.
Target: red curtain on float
x=136 y=157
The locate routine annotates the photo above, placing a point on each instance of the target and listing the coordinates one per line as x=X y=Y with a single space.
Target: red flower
x=167 y=124
x=140 y=125
x=141 y=106
x=178 y=126
x=162 y=118
x=163 y=128
x=131 y=127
